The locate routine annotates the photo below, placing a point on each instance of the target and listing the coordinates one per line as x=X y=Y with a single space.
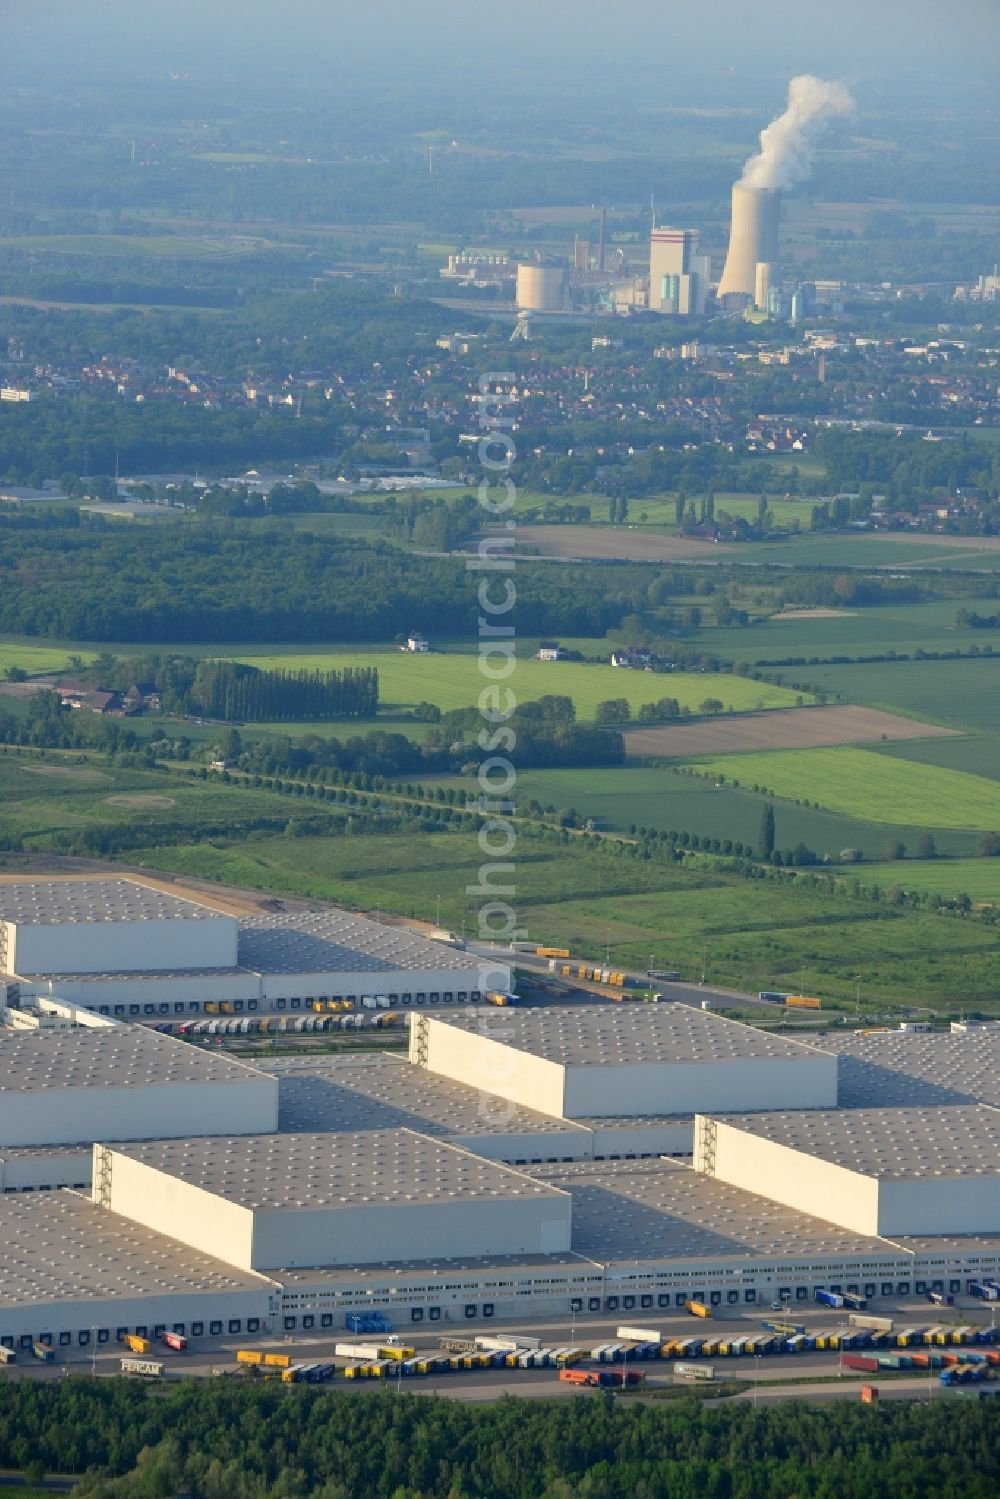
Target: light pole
x=857 y=996
x=437 y=920
x=93 y=1352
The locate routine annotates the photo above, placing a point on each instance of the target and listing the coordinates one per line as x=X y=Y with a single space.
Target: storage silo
x=541 y=288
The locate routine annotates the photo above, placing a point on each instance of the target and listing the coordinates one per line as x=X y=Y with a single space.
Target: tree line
x=240 y=693
x=223 y=1439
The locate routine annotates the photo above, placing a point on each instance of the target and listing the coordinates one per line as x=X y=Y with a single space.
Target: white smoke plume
x=788 y=143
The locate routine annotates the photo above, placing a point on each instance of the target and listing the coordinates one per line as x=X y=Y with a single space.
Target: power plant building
x=678 y=276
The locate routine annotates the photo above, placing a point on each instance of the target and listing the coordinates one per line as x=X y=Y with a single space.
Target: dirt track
x=781 y=728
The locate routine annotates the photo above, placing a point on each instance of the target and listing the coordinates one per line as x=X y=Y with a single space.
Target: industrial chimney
x=753 y=240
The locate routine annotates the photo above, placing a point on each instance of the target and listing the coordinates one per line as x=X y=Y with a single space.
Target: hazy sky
x=826 y=36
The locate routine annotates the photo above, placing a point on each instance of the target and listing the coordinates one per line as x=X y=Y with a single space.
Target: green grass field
x=961 y=694
x=978 y=878
x=876 y=788
x=665 y=799
x=43 y=799
x=455 y=681
x=903 y=628
x=39 y=659
x=979 y=754
x=871 y=550
x=750 y=935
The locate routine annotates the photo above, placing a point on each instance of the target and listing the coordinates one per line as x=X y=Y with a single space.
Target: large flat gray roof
x=958 y=1140
x=55 y=901
x=120 y=1056
x=898 y=1069
x=628 y=1034
x=304 y=1172
x=337 y=942
x=665 y=1210
x=334 y=1094
x=58 y=1246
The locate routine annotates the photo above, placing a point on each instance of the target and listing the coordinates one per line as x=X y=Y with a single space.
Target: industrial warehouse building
x=131 y=949
x=517 y=1164
x=70 y=1086
x=876 y=1171
x=621 y=1060
x=276 y=1200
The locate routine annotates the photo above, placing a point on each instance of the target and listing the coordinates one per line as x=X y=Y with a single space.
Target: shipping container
x=277 y=1360
x=874 y=1324
x=829 y=1298
x=869 y=1394
x=858 y=1361
x=137 y=1344
x=552 y=952
x=249 y=1356
x=174 y=1340
x=44 y=1352
x=694 y=1371
x=803 y=1002
x=7 y=1356
x=698 y=1308
x=639 y=1334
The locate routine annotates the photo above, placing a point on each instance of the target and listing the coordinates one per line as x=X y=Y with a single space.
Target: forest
x=213 y=583
x=217 y=1439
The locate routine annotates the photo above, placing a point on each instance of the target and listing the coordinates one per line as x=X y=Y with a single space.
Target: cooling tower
x=753 y=238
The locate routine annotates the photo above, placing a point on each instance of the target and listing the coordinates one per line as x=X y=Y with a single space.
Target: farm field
x=621 y=543
x=455 y=681
x=874 y=549
x=661 y=509
x=668 y=800
x=979 y=754
x=36 y=659
x=750 y=935
x=964 y=694
x=874 y=787
x=46 y=801
x=904 y=628
x=977 y=878
x=783 y=728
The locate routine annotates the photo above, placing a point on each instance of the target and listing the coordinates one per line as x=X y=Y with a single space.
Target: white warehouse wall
x=486 y=1061
x=789 y=1176
x=54 y=1315
x=377 y=1233
x=169 y=1111
x=113 y=946
x=940 y=1205
x=143 y=989
x=700 y=1087
x=173 y=1207
x=369 y=981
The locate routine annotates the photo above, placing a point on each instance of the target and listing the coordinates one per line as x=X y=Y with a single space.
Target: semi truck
x=873 y=1324
x=43 y=1351
x=803 y=1002
x=146 y=1367
x=513 y=1343
x=7 y=1356
x=639 y=1335
x=694 y=1371
x=829 y=1298
x=698 y=1308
